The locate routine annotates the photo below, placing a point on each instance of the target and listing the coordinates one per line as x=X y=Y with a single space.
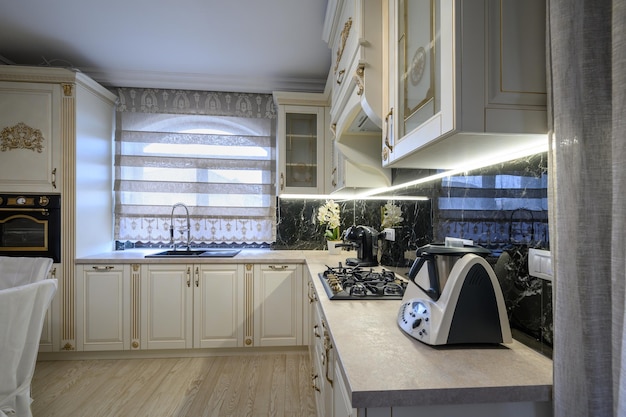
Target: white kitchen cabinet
x=30 y=137
x=218 y=306
x=167 y=306
x=466 y=82
x=278 y=299
x=342 y=404
x=301 y=134
x=191 y=306
x=72 y=118
x=103 y=294
x=322 y=355
x=353 y=31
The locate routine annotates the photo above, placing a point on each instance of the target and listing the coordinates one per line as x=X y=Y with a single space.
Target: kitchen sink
x=196 y=253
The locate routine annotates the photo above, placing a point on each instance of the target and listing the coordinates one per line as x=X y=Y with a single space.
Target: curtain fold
x=587 y=212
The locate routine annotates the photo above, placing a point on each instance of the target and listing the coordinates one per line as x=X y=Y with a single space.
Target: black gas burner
x=359 y=283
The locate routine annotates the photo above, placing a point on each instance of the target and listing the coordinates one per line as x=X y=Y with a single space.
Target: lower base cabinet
x=185 y=306
x=277 y=305
x=103 y=307
x=191 y=306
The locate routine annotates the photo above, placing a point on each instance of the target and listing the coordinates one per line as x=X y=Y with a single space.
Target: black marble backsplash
x=298 y=227
x=503 y=208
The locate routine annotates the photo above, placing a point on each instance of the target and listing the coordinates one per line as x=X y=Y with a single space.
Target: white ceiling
x=214 y=45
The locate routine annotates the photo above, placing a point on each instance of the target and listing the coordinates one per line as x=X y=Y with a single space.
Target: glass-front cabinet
x=466 y=80
x=300 y=145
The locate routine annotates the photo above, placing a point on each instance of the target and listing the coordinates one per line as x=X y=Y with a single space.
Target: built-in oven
x=30 y=225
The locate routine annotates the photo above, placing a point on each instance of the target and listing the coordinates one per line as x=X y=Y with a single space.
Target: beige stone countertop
x=246 y=255
x=383 y=367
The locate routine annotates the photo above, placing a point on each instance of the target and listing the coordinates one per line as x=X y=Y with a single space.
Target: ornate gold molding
x=344 y=38
x=359 y=79
x=68 y=90
x=21 y=136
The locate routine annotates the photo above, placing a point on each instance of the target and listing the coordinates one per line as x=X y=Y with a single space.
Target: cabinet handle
x=315 y=332
x=327 y=347
x=278 y=267
x=282 y=182
x=311 y=294
x=340 y=76
x=54 y=178
x=333 y=175
x=388 y=124
x=188 y=277
x=102 y=268
x=314 y=382
x=197 y=273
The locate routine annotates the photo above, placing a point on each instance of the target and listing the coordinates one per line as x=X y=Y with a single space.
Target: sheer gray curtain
x=586 y=51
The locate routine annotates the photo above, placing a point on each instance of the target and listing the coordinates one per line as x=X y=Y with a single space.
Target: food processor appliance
x=453 y=297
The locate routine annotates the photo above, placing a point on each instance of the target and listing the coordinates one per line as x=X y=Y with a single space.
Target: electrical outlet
x=390 y=234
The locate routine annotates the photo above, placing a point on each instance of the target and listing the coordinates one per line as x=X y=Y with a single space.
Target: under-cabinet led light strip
x=379 y=193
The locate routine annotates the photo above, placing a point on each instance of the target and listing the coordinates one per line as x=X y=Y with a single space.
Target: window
x=220 y=167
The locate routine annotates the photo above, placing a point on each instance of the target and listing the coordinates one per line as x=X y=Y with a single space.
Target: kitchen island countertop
x=381 y=365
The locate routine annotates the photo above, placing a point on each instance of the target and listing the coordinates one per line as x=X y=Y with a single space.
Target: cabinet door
x=420 y=75
x=278 y=297
x=166 y=307
x=29 y=136
x=342 y=404
x=218 y=306
x=300 y=149
x=103 y=307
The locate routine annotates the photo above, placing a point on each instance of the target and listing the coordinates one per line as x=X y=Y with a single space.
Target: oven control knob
x=20 y=201
x=44 y=200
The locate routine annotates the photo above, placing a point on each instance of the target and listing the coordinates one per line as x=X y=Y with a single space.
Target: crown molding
x=203 y=82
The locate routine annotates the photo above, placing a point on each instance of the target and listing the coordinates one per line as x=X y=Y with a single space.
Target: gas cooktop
x=362 y=283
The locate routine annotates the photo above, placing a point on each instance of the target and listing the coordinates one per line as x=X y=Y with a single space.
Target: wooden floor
x=246 y=385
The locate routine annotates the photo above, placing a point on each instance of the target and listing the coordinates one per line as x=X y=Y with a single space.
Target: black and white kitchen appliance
x=362 y=283
x=453 y=297
x=365 y=240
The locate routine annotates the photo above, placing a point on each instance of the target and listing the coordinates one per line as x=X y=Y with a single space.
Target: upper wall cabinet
x=30 y=137
x=466 y=81
x=353 y=30
x=301 y=134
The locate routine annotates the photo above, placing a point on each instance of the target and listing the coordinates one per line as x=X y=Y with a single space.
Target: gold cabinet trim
x=344 y=38
x=21 y=136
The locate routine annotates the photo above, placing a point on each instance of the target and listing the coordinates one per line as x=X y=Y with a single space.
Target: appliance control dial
x=414 y=319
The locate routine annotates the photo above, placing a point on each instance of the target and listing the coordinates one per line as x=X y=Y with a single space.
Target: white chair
x=16 y=271
x=22 y=312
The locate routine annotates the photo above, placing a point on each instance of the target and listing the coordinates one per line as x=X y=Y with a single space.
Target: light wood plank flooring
x=243 y=385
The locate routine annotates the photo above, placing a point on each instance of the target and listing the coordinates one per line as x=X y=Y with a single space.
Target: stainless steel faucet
x=172 y=242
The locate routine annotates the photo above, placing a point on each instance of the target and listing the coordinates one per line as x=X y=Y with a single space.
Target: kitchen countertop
x=381 y=365
x=246 y=255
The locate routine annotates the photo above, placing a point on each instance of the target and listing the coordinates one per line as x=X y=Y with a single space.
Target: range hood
x=363 y=123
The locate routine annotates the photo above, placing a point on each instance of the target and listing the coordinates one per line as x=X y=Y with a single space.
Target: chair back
x=22 y=313
x=16 y=271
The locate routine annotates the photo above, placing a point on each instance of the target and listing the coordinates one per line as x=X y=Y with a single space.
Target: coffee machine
x=453 y=297
x=365 y=240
